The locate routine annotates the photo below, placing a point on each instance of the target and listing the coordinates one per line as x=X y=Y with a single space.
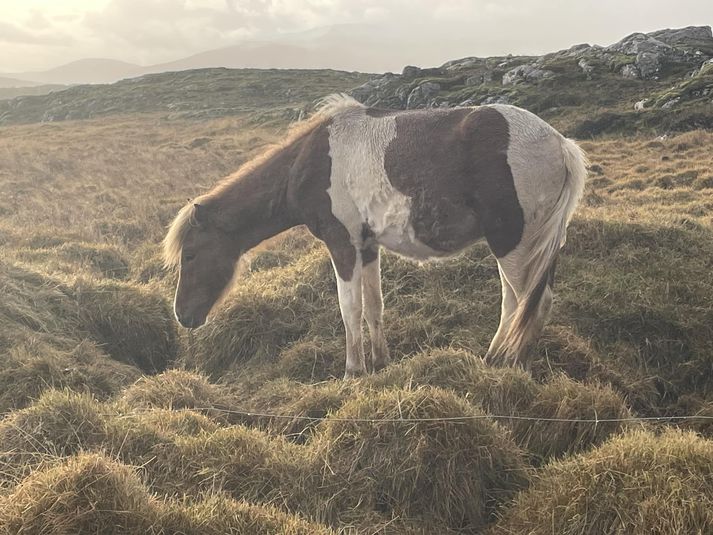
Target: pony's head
x=206 y=255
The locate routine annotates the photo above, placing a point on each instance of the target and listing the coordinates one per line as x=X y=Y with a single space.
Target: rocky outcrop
x=635 y=43
x=526 y=73
x=643 y=73
x=422 y=95
x=668 y=56
x=690 y=36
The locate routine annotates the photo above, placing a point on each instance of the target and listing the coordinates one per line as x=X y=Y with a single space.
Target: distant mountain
x=84 y=71
x=6 y=82
x=349 y=47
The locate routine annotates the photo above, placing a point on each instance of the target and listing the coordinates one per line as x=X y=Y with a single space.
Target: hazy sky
x=38 y=34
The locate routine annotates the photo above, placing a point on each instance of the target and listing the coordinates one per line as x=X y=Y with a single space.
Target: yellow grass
x=85 y=314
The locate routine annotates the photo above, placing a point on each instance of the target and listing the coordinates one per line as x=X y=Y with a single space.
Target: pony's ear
x=201 y=213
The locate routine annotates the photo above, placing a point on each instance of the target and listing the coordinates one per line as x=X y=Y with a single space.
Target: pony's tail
x=543 y=245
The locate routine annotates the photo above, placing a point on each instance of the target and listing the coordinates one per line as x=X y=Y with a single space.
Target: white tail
x=544 y=244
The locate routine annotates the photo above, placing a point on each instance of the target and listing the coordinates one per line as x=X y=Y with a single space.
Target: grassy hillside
x=112 y=411
x=196 y=94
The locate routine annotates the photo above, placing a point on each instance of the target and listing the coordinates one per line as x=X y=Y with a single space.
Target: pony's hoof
x=380 y=364
x=499 y=360
x=354 y=374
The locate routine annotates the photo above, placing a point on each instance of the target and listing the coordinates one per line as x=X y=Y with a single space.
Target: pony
x=424 y=184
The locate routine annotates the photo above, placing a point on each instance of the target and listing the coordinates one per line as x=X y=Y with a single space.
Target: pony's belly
x=406 y=244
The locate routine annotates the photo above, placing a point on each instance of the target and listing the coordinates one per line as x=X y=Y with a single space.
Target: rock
x=649 y=64
x=578 y=49
x=499 y=99
x=641 y=105
x=586 y=67
x=670 y=103
x=422 y=94
x=630 y=71
x=463 y=63
x=638 y=42
x=526 y=73
x=410 y=71
x=479 y=78
x=690 y=35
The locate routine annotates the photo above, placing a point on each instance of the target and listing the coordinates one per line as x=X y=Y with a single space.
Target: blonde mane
x=326 y=108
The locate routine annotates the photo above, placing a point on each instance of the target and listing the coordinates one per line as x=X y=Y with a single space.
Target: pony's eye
x=188 y=257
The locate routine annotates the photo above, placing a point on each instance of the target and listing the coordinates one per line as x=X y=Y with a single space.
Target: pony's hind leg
x=516 y=335
x=508 y=306
x=374 y=307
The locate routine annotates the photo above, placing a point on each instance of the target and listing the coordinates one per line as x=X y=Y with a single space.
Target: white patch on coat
x=536 y=162
x=350 y=305
x=360 y=190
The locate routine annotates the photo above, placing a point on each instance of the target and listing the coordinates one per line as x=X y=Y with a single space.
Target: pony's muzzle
x=190 y=322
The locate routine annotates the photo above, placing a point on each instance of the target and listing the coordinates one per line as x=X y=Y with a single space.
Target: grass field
x=116 y=421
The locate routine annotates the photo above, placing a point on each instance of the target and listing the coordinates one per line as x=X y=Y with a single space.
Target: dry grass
x=447 y=473
x=86 y=307
x=92 y=494
x=639 y=483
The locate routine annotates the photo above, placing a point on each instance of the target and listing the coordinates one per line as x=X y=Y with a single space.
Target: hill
x=14 y=92
x=7 y=82
x=84 y=71
x=187 y=94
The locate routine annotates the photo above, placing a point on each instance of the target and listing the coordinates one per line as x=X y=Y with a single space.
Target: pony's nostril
x=189 y=322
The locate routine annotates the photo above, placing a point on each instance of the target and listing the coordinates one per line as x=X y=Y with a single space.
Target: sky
x=40 y=34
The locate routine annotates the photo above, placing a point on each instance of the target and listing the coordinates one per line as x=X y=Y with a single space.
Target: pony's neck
x=254 y=205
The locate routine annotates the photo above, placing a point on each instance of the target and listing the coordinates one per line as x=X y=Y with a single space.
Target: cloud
x=15 y=34
x=154 y=31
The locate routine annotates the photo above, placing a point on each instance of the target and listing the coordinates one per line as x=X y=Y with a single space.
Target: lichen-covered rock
x=526 y=73
x=649 y=64
x=422 y=94
x=630 y=71
x=638 y=42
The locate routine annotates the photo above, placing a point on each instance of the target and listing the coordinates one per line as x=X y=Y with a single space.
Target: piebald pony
x=422 y=183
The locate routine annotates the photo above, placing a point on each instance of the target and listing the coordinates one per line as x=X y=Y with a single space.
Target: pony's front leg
x=374 y=307
x=350 y=305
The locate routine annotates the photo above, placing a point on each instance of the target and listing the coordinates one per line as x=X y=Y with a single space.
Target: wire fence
x=464 y=418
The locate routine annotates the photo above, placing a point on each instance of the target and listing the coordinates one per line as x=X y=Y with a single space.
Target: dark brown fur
x=461 y=187
x=309 y=181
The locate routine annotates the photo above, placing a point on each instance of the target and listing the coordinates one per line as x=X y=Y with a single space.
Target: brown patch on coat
x=308 y=199
x=453 y=165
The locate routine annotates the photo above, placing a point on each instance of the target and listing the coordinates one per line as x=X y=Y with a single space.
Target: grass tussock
x=93 y=494
x=506 y=392
x=59 y=424
x=29 y=369
x=639 y=483
x=179 y=389
x=246 y=463
x=564 y=399
x=47 y=319
x=134 y=324
x=451 y=473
